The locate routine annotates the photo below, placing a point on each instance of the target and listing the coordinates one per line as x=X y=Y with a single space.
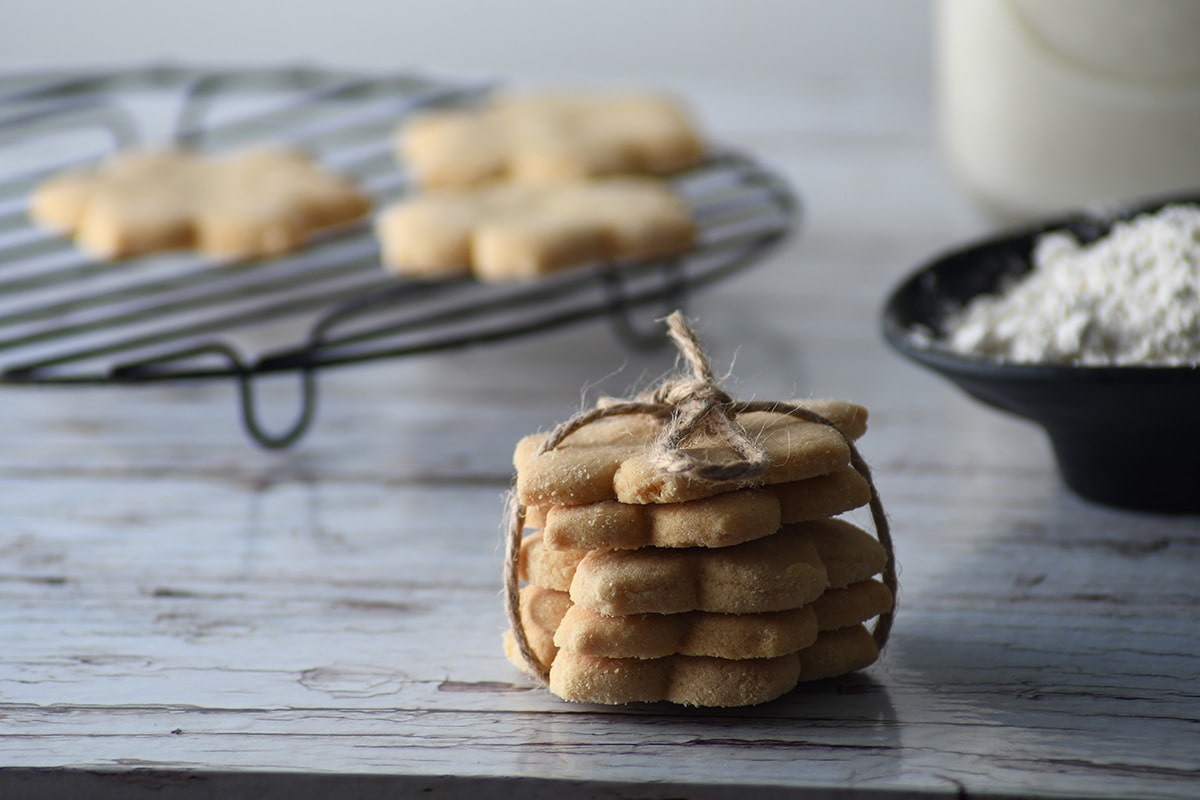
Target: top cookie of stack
x=530 y=184
x=706 y=580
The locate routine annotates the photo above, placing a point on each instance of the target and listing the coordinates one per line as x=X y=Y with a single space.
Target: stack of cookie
x=531 y=184
x=642 y=584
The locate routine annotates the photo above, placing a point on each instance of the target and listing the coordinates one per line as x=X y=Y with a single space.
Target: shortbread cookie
x=796 y=450
x=552 y=137
x=535 y=517
x=638 y=430
x=546 y=607
x=628 y=429
x=821 y=497
x=542 y=611
x=771 y=574
x=785 y=570
x=546 y=567
x=253 y=204
x=718 y=521
x=695 y=633
x=550 y=615
x=512 y=232
x=837 y=652
x=540 y=638
x=850 y=418
x=706 y=681
x=543 y=649
x=613 y=463
x=836 y=608
x=686 y=680
x=848 y=553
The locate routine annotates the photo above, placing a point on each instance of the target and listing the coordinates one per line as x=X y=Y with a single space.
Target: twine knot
x=700 y=409
x=675 y=392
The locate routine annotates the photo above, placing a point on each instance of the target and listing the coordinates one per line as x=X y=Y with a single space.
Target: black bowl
x=1124 y=436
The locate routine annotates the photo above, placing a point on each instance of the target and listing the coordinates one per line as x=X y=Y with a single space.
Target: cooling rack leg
x=151 y=367
x=299 y=426
x=620 y=311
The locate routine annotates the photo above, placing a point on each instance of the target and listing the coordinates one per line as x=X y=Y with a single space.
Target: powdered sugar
x=1132 y=297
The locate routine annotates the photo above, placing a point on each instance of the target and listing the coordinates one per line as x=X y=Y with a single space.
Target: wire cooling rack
x=68 y=320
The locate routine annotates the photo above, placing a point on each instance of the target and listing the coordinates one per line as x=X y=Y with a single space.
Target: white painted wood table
x=184 y=615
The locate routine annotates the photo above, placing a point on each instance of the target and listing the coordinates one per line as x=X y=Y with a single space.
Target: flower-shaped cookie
x=549 y=138
x=513 y=231
x=257 y=203
x=608 y=459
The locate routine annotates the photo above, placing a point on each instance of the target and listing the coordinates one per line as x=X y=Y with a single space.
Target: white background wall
x=775 y=42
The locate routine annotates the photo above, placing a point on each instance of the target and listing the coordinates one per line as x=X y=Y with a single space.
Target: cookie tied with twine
x=705 y=516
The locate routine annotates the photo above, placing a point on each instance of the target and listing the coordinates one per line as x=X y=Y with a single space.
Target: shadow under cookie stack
x=684 y=547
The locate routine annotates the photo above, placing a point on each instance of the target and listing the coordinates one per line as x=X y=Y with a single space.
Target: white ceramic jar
x=1046 y=105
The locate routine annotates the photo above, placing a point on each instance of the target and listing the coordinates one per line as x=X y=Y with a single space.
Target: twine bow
x=692 y=407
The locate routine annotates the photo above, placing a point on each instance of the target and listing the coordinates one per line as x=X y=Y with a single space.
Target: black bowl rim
x=923 y=349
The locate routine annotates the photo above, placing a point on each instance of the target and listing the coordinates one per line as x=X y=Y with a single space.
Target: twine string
x=693 y=406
